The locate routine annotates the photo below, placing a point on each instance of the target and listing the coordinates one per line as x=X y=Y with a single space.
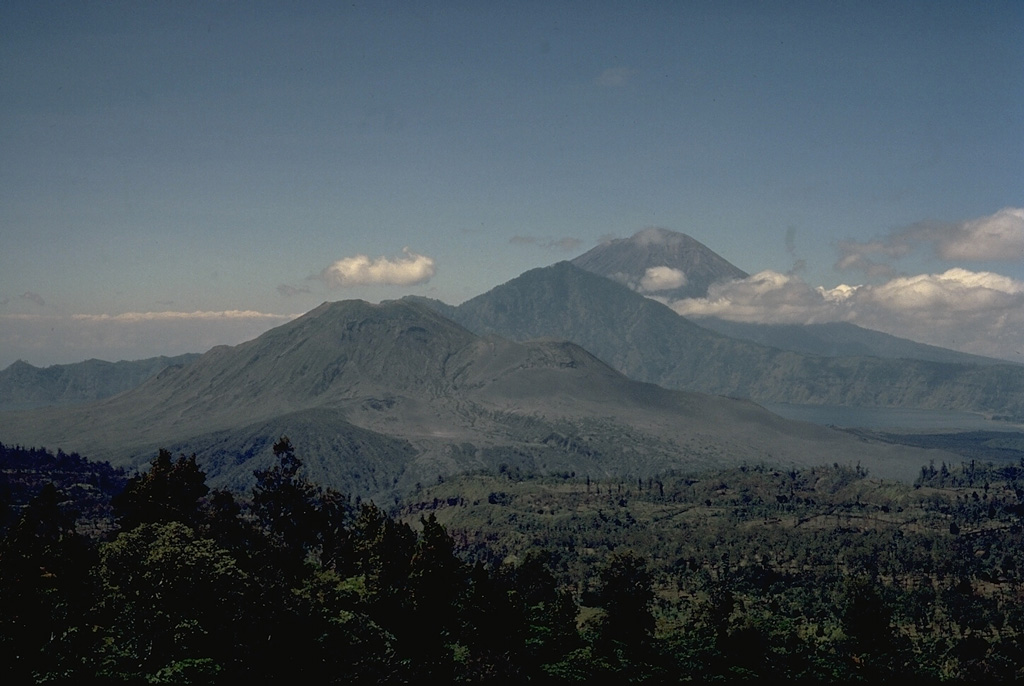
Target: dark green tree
x=549 y=611
x=45 y=594
x=335 y=538
x=493 y=631
x=383 y=550
x=285 y=502
x=437 y=579
x=172 y=602
x=627 y=595
x=332 y=639
x=169 y=492
x=624 y=644
x=222 y=521
x=873 y=648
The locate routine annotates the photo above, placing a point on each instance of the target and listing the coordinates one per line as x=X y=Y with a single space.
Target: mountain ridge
x=391 y=394
x=24 y=386
x=649 y=342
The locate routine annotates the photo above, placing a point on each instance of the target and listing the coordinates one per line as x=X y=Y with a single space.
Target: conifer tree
x=169 y=492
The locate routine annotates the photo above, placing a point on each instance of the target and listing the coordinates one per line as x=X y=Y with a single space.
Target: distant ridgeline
x=23 y=387
x=817 y=575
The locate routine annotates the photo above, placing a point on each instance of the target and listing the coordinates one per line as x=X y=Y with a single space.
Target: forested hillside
x=820 y=575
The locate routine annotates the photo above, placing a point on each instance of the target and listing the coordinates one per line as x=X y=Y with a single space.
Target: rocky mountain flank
x=379 y=397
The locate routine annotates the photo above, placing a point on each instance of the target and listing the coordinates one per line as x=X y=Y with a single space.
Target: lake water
x=890 y=418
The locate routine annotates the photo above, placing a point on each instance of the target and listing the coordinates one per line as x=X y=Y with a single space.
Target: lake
x=890 y=418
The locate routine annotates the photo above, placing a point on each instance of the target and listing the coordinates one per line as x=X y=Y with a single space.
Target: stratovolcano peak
x=657 y=261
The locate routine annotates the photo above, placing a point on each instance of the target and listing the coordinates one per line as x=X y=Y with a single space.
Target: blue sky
x=178 y=175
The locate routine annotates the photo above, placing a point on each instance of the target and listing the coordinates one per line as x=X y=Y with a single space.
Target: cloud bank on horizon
x=979 y=311
x=66 y=338
x=128 y=335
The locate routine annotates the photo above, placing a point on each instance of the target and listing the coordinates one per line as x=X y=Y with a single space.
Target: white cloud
x=766 y=297
x=954 y=291
x=979 y=312
x=360 y=270
x=662 y=279
x=996 y=237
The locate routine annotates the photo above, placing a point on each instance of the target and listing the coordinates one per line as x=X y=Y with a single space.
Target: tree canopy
x=818 y=576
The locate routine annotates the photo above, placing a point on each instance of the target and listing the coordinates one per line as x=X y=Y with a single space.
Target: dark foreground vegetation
x=820 y=575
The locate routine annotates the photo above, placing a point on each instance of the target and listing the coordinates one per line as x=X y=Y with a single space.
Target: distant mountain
x=23 y=386
x=839 y=339
x=631 y=260
x=669 y=264
x=380 y=397
x=649 y=342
